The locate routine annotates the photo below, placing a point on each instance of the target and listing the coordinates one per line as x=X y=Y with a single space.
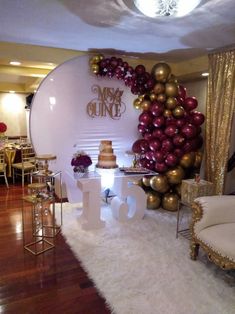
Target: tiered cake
x=106 y=157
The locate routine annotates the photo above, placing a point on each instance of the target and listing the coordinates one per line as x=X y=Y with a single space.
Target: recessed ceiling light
x=11 y=91
x=15 y=63
x=205 y=74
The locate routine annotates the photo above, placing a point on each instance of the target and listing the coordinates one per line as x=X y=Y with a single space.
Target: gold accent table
x=39 y=202
x=46 y=158
x=190 y=189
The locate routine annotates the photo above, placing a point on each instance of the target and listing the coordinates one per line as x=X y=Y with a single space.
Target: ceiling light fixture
x=177 y=8
x=15 y=63
x=205 y=74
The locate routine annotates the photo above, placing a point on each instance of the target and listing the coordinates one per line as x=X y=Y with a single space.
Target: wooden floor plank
x=51 y=282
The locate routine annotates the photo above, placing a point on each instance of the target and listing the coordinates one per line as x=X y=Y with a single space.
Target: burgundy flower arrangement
x=81 y=161
x=3 y=127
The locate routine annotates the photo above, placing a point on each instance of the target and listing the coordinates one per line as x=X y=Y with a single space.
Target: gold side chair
x=27 y=164
x=3 y=167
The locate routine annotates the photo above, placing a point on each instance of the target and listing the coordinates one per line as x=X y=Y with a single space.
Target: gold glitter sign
x=107 y=103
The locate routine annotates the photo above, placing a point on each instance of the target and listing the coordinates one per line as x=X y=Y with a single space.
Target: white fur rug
x=141 y=268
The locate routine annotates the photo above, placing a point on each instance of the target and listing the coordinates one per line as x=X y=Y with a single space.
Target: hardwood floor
x=50 y=282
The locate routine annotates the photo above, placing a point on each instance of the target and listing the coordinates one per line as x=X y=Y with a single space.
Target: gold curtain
x=219 y=115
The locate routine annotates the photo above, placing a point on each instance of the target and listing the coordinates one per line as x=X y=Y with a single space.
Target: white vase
x=79 y=174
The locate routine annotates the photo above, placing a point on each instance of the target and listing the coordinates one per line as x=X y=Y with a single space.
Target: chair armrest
x=213 y=210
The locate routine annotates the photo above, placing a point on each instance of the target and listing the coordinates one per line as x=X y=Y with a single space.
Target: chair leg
x=22 y=178
x=13 y=175
x=6 y=181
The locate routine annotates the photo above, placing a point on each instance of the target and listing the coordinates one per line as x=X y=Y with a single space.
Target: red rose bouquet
x=80 y=162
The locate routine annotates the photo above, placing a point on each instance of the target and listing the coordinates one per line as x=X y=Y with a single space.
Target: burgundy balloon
x=182 y=92
x=136 y=146
x=149 y=155
x=170 y=121
x=198 y=118
x=171 y=160
x=143 y=162
x=150 y=83
x=161 y=167
x=190 y=103
x=157 y=109
x=148 y=136
x=171 y=130
x=140 y=69
x=188 y=146
x=178 y=152
x=154 y=144
x=180 y=100
x=180 y=122
x=157 y=133
x=167 y=145
x=178 y=140
x=145 y=118
x=159 y=156
x=144 y=145
x=150 y=164
x=158 y=121
x=189 y=131
x=141 y=128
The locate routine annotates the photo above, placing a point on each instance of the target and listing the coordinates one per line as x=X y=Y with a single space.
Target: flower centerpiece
x=80 y=162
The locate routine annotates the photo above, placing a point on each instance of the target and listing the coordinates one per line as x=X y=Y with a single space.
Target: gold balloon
x=159 y=88
x=188 y=159
x=137 y=104
x=161 y=72
x=178 y=112
x=178 y=189
x=171 y=89
x=170 y=201
x=198 y=160
x=95 y=68
x=141 y=97
x=161 y=97
x=171 y=103
x=172 y=78
x=139 y=183
x=153 y=200
x=145 y=104
x=153 y=96
x=167 y=113
x=175 y=175
x=159 y=183
x=146 y=180
x=96 y=59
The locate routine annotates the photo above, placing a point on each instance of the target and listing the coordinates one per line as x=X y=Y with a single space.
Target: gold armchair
x=213 y=229
x=3 y=166
x=27 y=164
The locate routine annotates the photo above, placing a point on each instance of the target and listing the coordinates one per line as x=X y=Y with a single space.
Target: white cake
x=106 y=157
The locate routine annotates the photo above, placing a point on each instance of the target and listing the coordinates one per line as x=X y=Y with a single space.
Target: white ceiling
x=117 y=27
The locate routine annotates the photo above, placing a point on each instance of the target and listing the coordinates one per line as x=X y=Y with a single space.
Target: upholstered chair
x=213 y=229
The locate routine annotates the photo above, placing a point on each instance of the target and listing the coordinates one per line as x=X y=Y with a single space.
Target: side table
x=190 y=189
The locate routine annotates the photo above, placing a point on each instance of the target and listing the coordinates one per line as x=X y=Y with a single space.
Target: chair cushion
x=221 y=238
x=25 y=165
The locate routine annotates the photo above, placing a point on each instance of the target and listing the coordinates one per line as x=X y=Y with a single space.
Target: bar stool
x=39 y=202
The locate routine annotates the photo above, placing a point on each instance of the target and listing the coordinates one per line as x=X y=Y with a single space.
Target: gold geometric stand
x=39 y=203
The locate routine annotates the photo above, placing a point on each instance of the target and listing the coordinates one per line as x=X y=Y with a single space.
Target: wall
x=13 y=113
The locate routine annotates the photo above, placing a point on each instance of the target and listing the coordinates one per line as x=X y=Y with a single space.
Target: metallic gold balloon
x=171 y=89
x=178 y=112
x=167 y=113
x=161 y=98
x=172 y=78
x=145 y=104
x=170 y=201
x=187 y=160
x=95 y=68
x=137 y=103
x=171 y=103
x=198 y=160
x=96 y=59
x=178 y=189
x=159 y=183
x=159 y=88
x=146 y=180
x=153 y=200
x=141 y=97
x=175 y=175
x=153 y=96
x=161 y=72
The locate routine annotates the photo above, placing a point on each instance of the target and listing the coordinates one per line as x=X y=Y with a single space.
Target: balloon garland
x=169 y=125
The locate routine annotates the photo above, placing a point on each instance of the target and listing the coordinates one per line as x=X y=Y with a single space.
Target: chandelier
x=153 y=8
